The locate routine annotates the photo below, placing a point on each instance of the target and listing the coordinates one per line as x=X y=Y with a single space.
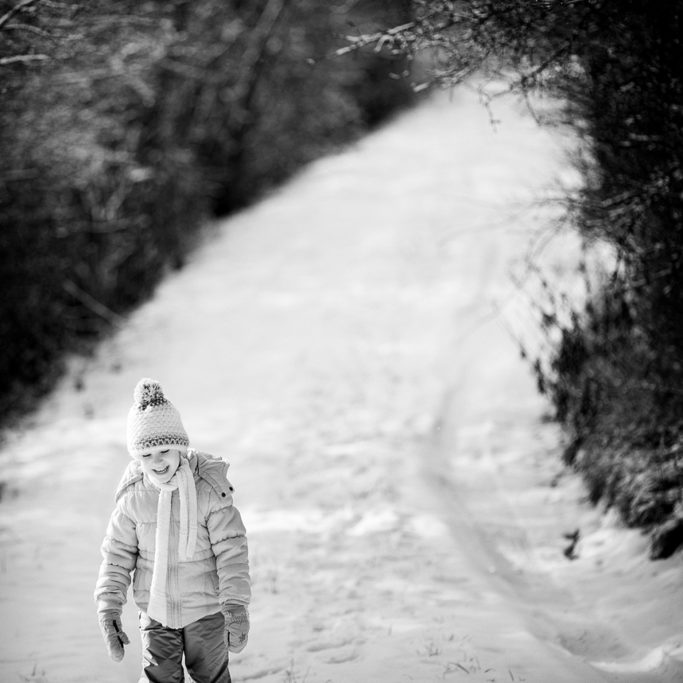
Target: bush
x=125 y=127
x=626 y=437
x=615 y=375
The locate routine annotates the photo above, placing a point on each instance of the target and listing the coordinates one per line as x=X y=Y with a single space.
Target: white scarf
x=184 y=482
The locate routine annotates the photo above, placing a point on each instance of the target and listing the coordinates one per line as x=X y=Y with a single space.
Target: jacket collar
x=204 y=466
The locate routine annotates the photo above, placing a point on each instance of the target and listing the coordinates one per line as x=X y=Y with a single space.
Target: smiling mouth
x=162 y=471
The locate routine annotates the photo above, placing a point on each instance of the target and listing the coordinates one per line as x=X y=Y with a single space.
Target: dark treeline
x=125 y=125
x=616 y=376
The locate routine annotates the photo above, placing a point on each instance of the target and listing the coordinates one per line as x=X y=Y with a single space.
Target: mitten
x=236 y=631
x=114 y=637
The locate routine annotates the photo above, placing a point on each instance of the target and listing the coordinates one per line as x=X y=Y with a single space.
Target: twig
x=93 y=304
x=369 y=38
x=255 y=50
x=30 y=29
x=17 y=8
x=22 y=58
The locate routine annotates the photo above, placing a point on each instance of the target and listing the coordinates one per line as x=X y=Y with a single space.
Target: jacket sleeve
x=119 y=555
x=229 y=544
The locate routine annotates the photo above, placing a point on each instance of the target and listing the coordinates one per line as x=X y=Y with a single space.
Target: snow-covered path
x=336 y=344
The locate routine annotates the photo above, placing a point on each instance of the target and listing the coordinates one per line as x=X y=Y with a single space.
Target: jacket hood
x=204 y=466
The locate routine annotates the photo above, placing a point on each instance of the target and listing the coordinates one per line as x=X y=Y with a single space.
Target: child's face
x=161 y=464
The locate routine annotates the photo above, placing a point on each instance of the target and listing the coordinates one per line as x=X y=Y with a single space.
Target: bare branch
x=90 y=302
x=255 y=49
x=4 y=61
x=30 y=29
x=358 y=42
x=17 y=8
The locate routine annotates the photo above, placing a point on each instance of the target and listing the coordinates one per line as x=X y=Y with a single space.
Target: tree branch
x=89 y=301
x=253 y=55
x=17 y=8
x=358 y=42
x=4 y=61
x=30 y=29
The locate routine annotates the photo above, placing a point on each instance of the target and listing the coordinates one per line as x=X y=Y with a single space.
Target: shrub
x=615 y=375
x=125 y=127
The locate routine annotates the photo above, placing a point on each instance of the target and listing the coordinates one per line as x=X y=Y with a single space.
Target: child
x=176 y=529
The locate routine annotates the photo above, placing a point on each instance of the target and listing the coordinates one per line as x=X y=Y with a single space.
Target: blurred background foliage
x=125 y=126
x=615 y=377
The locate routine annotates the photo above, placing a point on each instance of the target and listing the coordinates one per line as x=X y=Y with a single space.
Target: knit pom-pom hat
x=153 y=421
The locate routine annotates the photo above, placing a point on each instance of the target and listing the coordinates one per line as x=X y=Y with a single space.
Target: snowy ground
x=402 y=492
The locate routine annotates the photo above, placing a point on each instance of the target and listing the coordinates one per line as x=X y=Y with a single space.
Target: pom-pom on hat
x=153 y=421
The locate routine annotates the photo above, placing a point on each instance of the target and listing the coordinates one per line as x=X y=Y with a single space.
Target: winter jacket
x=217 y=573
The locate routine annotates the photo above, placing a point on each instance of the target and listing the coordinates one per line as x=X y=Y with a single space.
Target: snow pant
x=201 y=643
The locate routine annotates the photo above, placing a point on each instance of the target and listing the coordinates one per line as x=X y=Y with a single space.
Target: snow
x=344 y=345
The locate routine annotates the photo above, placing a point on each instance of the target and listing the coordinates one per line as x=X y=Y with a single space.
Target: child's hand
x=114 y=637
x=236 y=631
